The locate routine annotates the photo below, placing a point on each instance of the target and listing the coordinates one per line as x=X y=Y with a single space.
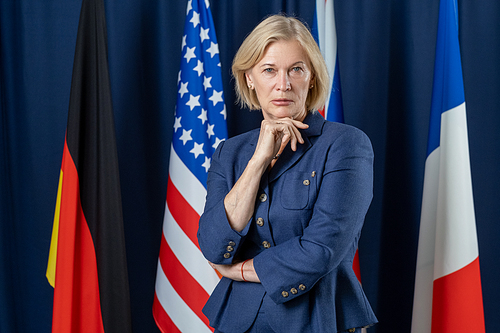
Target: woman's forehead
x=284 y=52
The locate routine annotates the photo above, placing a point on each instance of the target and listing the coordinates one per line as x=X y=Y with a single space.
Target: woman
x=286 y=202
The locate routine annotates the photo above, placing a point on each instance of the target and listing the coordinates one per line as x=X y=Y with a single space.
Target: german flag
x=87 y=263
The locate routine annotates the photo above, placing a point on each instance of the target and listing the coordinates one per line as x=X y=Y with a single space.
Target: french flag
x=448 y=295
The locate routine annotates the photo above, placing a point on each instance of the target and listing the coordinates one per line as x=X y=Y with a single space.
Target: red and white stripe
x=184 y=278
x=448 y=286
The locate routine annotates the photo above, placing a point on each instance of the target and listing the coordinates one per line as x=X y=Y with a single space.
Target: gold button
x=306 y=182
x=293 y=291
x=351 y=330
x=266 y=244
x=302 y=287
x=263 y=197
x=260 y=221
x=313 y=173
x=284 y=293
x=227 y=255
x=230 y=248
x=231 y=243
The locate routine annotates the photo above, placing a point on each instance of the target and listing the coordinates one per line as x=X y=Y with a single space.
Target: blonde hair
x=251 y=51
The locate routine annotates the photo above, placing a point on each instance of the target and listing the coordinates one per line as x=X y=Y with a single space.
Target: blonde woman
x=286 y=202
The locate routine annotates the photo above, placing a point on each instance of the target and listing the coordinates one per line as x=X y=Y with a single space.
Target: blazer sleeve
x=292 y=268
x=218 y=241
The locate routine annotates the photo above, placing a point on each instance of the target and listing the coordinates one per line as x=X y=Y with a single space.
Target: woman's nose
x=283 y=82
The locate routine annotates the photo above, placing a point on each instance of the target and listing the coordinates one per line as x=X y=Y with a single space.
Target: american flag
x=184 y=278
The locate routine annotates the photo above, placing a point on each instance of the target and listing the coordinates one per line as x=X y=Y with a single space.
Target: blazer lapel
x=288 y=158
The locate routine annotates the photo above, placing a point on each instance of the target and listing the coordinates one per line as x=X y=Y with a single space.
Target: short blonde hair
x=251 y=51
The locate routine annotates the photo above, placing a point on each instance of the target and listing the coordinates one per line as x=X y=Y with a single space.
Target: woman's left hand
x=236 y=273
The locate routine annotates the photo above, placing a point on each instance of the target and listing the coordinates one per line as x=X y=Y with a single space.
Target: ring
x=276 y=157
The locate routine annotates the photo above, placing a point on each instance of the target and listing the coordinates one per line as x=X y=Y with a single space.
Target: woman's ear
x=249 y=80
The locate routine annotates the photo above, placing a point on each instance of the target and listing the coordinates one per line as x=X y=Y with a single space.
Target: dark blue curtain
x=386 y=57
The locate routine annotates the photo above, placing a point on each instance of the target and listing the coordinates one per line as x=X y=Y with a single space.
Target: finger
x=299 y=124
x=298 y=134
x=293 y=138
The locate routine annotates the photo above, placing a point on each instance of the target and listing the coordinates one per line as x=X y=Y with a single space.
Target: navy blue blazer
x=303 y=236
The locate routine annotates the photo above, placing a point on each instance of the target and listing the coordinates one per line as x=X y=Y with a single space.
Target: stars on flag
x=203 y=116
x=204 y=34
x=194 y=101
x=186 y=136
x=177 y=124
x=197 y=150
x=206 y=82
x=200 y=120
x=196 y=19
x=183 y=89
x=190 y=53
x=213 y=49
x=216 y=97
x=199 y=68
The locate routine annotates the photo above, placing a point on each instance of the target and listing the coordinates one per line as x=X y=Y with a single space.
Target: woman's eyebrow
x=272 y=64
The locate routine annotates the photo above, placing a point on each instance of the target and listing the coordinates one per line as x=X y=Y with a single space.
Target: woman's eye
x=296 y=69
x=268 y=70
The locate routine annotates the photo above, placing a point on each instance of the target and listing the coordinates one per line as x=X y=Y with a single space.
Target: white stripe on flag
x=427 y=237
x=188 y=254
x=186 y=183
x=327 y=35
x=456 y=239
x=178 y=311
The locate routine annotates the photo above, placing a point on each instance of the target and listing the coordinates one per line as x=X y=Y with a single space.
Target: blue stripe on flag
x=448 y=86
x=335 y=110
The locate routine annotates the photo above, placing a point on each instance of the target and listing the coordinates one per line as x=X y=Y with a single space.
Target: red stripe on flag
x=182 y=212
x=77 y=305
x=322 y=111
x=457 y=302
x=355 y=266
x=162 y=319
x=184 y=284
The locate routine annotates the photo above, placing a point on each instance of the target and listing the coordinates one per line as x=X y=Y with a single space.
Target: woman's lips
x=282 y=102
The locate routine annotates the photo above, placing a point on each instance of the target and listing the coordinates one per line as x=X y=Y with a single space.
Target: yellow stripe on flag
x=51 y=266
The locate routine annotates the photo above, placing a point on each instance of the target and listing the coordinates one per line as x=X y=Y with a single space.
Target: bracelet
x=242 y=276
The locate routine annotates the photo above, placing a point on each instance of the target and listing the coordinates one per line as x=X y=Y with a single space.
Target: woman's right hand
x=275 y=135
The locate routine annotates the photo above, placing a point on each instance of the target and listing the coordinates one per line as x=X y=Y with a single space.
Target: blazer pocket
x=295 y=190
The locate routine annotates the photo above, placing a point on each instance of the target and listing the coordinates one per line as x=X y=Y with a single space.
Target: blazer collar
x=288 y=158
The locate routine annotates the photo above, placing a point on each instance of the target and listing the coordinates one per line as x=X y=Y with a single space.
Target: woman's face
x=282 y=79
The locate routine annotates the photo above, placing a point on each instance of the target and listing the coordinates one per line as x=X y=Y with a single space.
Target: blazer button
x=293 y=291
x=260 y=221
x=230 y=248
x=302 y=287
x=284 y=293
x=227 y=255
x=306 y=182
x=263 y=197
x=351 y=330
x=231 y=243
x=313 y=173
x=266 y=244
